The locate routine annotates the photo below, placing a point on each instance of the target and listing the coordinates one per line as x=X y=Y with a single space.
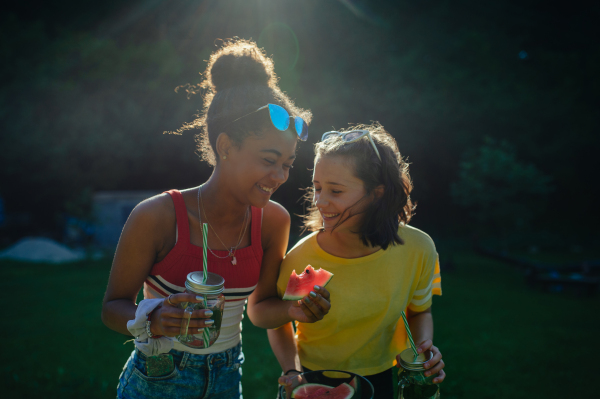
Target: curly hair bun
x=240 y=62
x=239 y=78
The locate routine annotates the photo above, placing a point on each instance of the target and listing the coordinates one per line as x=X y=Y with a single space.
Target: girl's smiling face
x=336 y=189
x=260 y=165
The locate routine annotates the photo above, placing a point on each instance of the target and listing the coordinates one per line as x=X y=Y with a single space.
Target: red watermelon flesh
x=342 y=391
x=300 y=285
x=307 y=390
x=318 y=393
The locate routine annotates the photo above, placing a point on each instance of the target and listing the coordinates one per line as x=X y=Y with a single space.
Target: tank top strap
x=183 y=226
x=257 y=214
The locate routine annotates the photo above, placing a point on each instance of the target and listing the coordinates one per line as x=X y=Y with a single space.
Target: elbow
x=252 y=315
x=259 y=320
x=256 y=317
x=104 y=315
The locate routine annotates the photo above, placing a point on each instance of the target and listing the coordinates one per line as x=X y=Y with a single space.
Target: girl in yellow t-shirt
x=360 y=209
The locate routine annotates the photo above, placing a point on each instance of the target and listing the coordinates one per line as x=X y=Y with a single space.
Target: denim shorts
x=213 y=376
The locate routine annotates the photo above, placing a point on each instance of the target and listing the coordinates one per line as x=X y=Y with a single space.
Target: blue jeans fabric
x=213 y=376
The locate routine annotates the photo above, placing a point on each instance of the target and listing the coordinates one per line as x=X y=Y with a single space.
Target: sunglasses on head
x=281 y=120
x=351 y=137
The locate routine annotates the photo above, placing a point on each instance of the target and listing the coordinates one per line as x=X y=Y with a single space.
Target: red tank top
x=168 y=276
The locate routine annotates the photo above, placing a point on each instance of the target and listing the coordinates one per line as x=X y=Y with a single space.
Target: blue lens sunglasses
x=351 y=137
x=281 y=120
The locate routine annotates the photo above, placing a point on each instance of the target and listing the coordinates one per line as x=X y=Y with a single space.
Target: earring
x=224 y=156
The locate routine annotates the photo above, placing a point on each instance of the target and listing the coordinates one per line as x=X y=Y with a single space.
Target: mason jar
x=412 y=382
x=211 y=292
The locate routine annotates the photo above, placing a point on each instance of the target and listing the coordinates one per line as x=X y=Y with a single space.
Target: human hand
x=167 y=319
x=290 y=381
x=433 y=365
x=312 y=307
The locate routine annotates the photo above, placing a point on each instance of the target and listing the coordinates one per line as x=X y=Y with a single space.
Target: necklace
x=231 y=251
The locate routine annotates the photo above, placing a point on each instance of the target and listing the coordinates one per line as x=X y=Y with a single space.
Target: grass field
x=499 y=338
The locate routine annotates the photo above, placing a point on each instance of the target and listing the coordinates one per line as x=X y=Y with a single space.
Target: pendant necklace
x=231 y=251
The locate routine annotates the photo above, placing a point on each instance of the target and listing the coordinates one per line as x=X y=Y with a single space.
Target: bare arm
x=145 y=237
x=136 y=252
x=421 y=325
x=283 y=344
x=265 y=309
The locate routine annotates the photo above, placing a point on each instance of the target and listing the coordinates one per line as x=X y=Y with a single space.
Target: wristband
x=290 y=370
x=150 y=335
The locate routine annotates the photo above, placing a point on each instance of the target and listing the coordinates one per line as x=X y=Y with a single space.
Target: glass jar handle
x=185 y=323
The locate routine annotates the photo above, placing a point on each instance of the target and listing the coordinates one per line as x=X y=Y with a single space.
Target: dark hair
x=382 y=217
x=239 y=79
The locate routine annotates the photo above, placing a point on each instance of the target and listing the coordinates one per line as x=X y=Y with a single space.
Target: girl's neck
x=219 y=204
x=344 y=244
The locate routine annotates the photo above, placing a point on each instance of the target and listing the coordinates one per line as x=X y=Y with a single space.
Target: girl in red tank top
x=249 y=130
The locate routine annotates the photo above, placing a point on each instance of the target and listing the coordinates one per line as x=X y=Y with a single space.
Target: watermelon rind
x=306 y=389
x=291 y=298
x=355 y=383
x=287 y=296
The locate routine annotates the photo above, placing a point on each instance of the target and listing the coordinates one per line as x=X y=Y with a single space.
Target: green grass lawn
x=499 y=338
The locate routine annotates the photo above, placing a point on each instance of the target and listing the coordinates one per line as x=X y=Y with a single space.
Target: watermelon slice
x=318 y=391
x=306 y=390
x=300 y=285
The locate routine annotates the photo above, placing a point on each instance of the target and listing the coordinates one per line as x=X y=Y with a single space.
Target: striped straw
x=205 y=333
x=204 y=246
x=412 y=343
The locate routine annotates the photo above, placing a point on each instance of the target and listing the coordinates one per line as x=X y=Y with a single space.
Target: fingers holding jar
x=435 y=364
x=440 y=377
x=428 y=363
x=167 y=319
x=181 y=300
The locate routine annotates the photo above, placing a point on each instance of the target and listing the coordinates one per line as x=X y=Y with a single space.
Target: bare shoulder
x=157 y=208
x=154 y=216
x=276 y=222
x=274 y=214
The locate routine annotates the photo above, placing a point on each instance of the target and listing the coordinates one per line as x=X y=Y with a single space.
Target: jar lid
x=408 y=360
x=213 y=285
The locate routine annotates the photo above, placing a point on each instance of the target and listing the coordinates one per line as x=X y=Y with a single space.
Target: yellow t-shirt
x=363 y=332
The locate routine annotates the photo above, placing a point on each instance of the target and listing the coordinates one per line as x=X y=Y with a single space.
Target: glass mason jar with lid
x=412 y=382
x=211 y=291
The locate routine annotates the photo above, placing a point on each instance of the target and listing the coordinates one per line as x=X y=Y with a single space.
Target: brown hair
x=382 y=217
x=238 y=80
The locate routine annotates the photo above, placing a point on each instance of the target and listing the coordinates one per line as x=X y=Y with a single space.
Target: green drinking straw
x=205 y=336
x=204 y=246
x=412 y=343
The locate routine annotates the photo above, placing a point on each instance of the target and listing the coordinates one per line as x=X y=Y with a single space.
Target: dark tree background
x=463 y=85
